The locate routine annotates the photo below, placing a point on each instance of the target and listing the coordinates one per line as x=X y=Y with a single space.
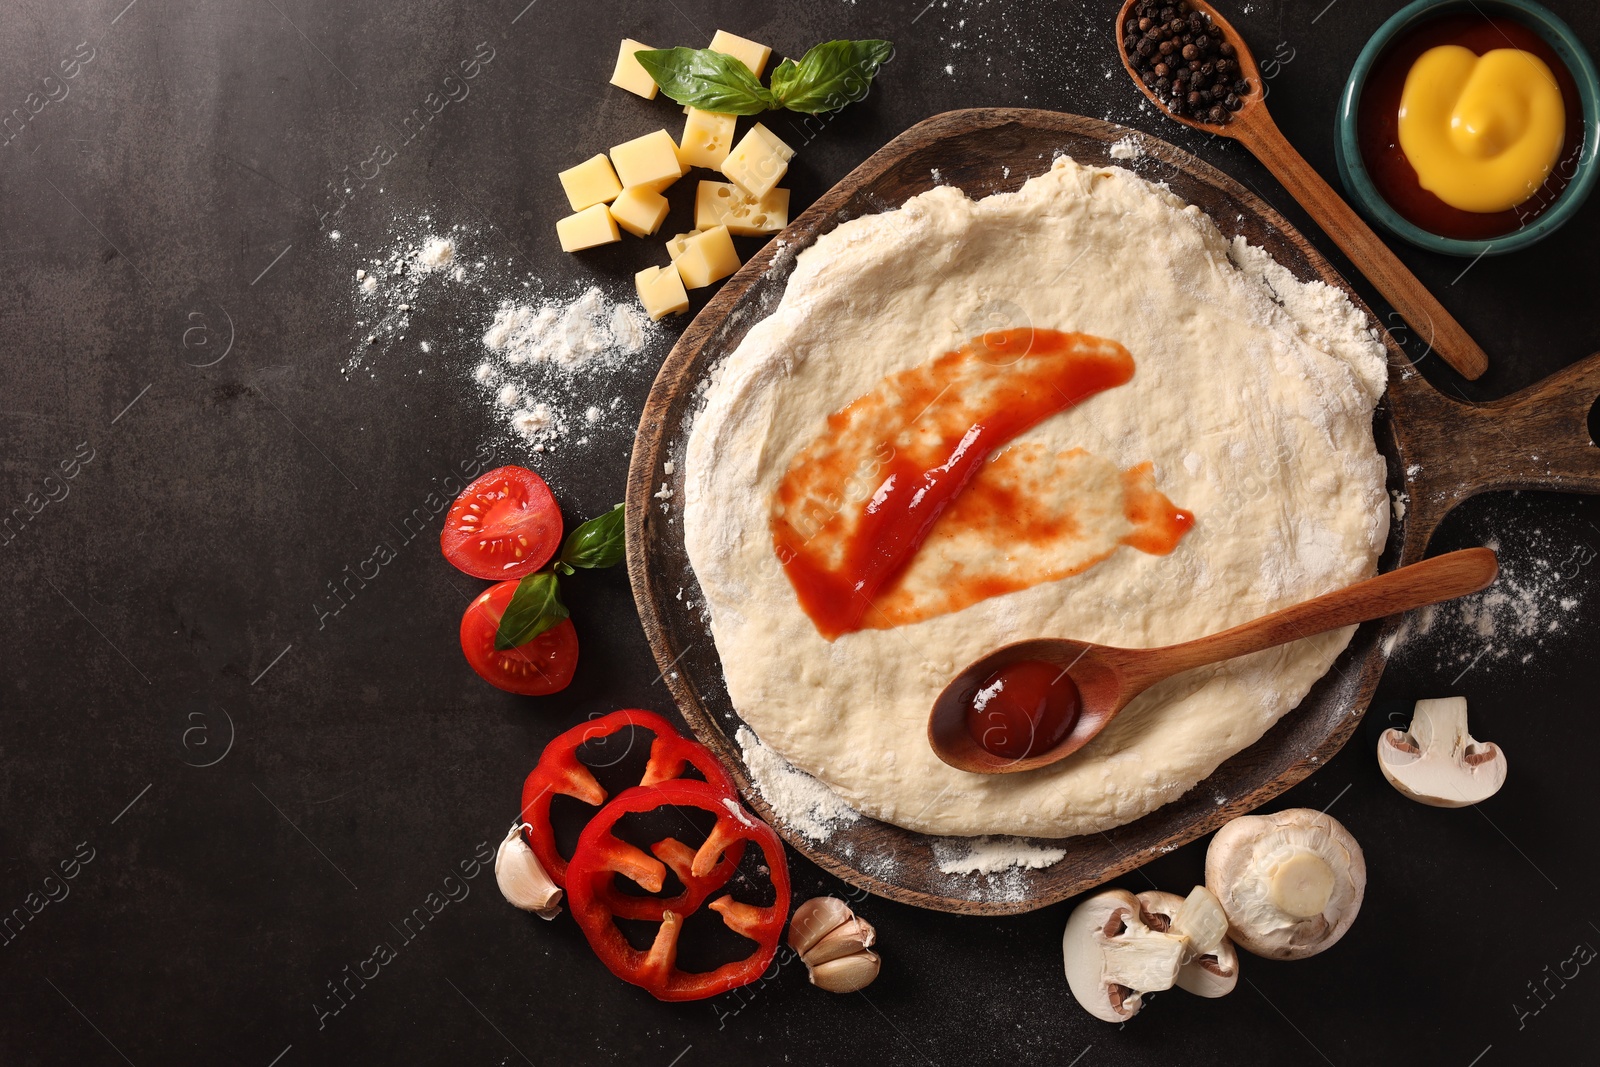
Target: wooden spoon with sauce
x=1107 y=679
x=1253 y=127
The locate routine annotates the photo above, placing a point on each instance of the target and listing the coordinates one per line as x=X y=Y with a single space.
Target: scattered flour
x=567 y=334
x=437 y=253
x=546 y=354
x=990 y=855
x=796 y=798
x=536 y=348
x=1541 y=582
x=1127 y=148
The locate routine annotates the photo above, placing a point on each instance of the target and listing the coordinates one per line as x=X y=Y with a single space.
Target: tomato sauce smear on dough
x=910 y=505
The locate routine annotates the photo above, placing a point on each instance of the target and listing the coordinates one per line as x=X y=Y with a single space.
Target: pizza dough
x=1252 y=399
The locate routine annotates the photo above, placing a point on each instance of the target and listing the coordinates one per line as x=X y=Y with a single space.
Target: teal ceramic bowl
x=1358 y=183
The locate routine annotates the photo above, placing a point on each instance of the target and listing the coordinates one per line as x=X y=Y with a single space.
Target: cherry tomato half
x=543 y=665
x=504 y=525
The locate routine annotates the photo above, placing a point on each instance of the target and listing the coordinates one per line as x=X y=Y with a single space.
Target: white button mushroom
x=1290 y=883
x=522 y=878
x=1437 y=762
x=1113 y=956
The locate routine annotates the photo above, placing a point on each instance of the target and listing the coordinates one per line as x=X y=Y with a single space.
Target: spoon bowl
x=1108 y=678
x=1249 y=71
x=1252 y=126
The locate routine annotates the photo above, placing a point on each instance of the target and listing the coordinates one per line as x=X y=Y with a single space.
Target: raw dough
x=1252 y=395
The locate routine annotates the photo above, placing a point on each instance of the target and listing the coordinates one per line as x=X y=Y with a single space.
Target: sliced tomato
x=504 y=525
x=543 y=665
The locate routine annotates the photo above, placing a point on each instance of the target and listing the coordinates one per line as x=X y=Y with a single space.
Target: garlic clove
x=847 y=973
x=522 y=878
x=851 y=936
x=814 y=920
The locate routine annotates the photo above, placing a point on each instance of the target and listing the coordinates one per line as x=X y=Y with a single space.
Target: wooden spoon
x=1253 y=127
x=1109 y=678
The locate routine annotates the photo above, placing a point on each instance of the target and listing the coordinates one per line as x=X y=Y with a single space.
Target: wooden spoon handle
x=1366 y=249
x=1443 y=577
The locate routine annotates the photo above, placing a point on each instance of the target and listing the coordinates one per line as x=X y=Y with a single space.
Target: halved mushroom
x=1113 y=956
x=1291 y=883
x=1437 y=762
x=1212 y=965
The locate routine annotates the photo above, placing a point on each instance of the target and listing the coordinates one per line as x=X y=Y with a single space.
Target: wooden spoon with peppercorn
x=1195 y=66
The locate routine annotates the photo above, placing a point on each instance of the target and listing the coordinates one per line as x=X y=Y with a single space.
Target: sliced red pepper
x=559 y=771
x=601 y=856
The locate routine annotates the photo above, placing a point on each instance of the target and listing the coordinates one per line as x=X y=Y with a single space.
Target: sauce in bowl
x=1378 y=126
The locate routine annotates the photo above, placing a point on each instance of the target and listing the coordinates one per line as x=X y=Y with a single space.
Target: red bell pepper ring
x=559 y=771
x=600 y=856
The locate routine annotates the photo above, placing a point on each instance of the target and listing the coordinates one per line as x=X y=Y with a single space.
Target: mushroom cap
x=1291 y=883
x=1091 y=926
x=1436 y=762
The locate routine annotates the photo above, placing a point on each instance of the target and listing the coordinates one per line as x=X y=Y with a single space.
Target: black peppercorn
x=1226 y=49
x=1233 y=103
x=1162 y=70
x=1218 y=114
x=1146 y=48
x=1145 y=24
x=1242 y=86
x=1224 y=66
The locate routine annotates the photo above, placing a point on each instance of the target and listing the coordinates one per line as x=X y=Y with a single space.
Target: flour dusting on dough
x=796 y=798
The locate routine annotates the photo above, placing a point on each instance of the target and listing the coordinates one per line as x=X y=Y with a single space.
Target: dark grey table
x=251 y=794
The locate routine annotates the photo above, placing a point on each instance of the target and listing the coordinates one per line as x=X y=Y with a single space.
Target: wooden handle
x=1429 y=582
x=1366 y=249
x=1534 y=439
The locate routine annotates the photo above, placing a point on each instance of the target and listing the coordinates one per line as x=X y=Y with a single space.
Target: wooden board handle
x=1442 y=578
x=1534 y=439
x=1366 y=249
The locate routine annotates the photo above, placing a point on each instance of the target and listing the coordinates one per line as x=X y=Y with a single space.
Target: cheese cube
x=629 y=74
x=707 y=137
x=725 y=204
x=756 y=163
x=676 y=246
x=707 y=257
x=650 y=161
x=749 y=53
x=640 y=211
x=590 y=182
x=589 y=227
x=661 y=291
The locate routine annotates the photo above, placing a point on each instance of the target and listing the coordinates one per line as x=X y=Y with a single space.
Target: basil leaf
x=831 y=75
x=707 y=80
x=598 y=543
x=535 y=607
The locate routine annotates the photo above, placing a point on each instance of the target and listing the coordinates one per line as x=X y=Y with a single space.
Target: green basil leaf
x=535 y=607
x=598 y=543
x=707 y=80
x=831 y=75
